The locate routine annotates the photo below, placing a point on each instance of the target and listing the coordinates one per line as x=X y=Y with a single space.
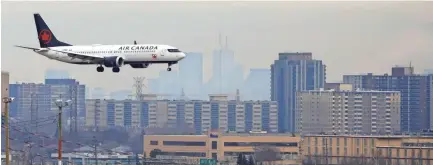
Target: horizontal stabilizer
x=25 y=47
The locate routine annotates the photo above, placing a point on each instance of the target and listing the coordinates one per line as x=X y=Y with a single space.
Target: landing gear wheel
x=116 y=69
x=169 y=69
x=100 y=69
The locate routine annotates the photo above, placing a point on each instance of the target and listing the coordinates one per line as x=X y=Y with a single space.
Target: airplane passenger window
x=173 y=50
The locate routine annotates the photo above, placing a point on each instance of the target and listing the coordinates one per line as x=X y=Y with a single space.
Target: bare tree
x=266 y=154
x=154 y=153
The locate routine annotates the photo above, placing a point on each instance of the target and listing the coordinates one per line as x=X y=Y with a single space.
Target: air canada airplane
x=114 y=56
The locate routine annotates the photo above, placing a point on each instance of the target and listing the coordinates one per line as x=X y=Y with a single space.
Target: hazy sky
x=350 y=37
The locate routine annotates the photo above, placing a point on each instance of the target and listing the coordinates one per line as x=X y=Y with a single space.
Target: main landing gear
x=116 y=69
x=169 y=65
x=101 y=69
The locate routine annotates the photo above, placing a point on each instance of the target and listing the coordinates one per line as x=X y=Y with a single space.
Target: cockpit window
x=173 y=50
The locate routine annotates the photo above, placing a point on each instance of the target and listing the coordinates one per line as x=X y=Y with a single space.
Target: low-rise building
x=225 y=147
x=396 y=149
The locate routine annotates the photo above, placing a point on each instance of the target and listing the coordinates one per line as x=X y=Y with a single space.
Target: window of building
x=183 y=143
x=215 y=156
x=153 y=142
x=214 y=145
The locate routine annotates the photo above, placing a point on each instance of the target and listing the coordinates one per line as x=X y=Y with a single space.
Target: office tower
x=257 y=85
x=30 y=98
x=56 y=74
x=121 y=95
x=414 y=89
x=293 y=72
x=5 y=87
x=428 y=71
x=98 y=93
x=191 y=75
x=200 y=115
x=68 y=89
x=430 y=99
x=153 y=85
x=166 y=84
x=227 y=75
x=348 y=112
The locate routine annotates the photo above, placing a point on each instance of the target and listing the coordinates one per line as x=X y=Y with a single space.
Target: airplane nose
x=182 y=55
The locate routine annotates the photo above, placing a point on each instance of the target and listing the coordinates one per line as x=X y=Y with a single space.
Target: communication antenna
x=138 y=85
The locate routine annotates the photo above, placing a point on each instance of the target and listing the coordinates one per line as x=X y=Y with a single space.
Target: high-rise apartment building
x=415 y=93
x=293 y=72
x=346 y=112
x=217 y=113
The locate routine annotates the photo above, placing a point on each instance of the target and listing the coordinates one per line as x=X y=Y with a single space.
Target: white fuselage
x=142 y=53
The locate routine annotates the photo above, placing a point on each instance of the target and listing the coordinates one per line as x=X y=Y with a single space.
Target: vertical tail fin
x=45 y=35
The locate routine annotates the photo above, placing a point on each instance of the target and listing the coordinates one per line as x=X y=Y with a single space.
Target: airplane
x=114 y=56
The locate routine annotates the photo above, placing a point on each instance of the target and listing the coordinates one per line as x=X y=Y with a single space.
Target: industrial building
x=201 y=115
x=346 y=111
x=336 y=149
x=225 y=147
x=416 y=94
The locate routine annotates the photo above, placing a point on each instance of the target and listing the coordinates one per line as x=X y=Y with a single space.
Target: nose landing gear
x=169 y=65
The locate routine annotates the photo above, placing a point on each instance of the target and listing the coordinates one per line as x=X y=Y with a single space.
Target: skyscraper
x=293 y=72
x=257 y=85
x=227 y=75
x=191 y=74
x=415 y=94
x=56 y=74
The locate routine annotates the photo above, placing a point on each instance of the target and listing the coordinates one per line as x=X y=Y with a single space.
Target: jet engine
x=141 y=65
x=113 y=61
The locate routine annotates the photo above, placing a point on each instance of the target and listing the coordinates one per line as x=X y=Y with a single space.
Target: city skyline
x=395 y=33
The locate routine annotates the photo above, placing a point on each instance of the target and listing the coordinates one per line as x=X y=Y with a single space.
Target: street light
x=60 y=103
x=5 y=114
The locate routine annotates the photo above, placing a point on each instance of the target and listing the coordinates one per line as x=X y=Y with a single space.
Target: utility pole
x=76 y=110
x=72 y=91
x=95 y=150
x=60 y=103
x=7 y=100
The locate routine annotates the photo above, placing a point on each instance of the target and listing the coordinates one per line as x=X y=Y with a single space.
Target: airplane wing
x=88 y=57
x=25 y=47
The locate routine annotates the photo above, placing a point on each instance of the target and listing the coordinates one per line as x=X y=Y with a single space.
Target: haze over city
x=350 y=37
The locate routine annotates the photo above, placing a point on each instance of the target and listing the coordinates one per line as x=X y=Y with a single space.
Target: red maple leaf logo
x=45 y=35
x=154 y=56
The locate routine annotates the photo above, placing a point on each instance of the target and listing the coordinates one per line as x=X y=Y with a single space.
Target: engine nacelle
x=142 y=65
x=113 y=61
